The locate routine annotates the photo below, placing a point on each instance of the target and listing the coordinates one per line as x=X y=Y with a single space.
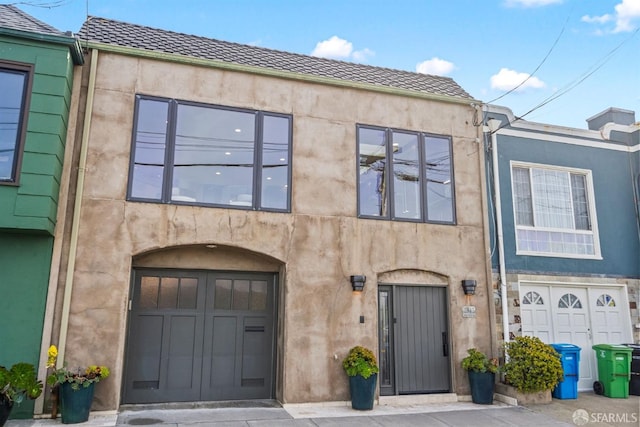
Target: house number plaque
x=469 y=311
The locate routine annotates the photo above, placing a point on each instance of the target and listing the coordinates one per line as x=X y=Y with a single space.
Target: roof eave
x=71 y=42
x=172 y=57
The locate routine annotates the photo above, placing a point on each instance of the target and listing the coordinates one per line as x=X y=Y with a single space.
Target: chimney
x=611 y=115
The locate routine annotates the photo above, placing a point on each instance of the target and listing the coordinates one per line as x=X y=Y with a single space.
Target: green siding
x=24 y=263
x=32 y=205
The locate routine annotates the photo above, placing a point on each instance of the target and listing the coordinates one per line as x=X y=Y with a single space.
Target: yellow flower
x=53 y=355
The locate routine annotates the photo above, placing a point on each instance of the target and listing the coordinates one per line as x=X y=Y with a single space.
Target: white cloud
x=597 y=19
x=530 y=3
x=337 y=48
x=626 y=12
x=436 y=66
x=507 y=79
x=362 y=55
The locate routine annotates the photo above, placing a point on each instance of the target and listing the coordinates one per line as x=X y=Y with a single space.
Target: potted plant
x=361 y=367
x=74 y=387
x=17 y=383
x=481 y=371
x=533 y=368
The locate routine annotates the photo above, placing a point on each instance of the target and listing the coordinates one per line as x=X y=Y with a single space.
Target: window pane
x=188 y=292
x=372 y=184
x=12 y=86
x=580 y=206
x=439 y=179
x=149 y=151
x=275 y=162
x=522 y=196
x=149 y=292
x=241 y=294
x=222 y=296
x=168 y=293
x=552 y=199
x=258 y=300
x=214 y=155
x=406 y=176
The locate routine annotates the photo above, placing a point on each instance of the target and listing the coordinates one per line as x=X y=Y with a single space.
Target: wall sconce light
x=469 y=288
x=357 y=283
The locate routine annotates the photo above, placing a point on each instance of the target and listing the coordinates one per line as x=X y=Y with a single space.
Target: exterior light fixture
x=469 y=287
x=357 y=283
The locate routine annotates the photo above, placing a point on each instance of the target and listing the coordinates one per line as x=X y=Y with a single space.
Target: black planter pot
x=482 y=386
x=5 y=409
x=363 y=392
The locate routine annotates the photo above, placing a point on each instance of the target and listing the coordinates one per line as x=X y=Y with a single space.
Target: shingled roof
x=106 y=31
x=15 y=19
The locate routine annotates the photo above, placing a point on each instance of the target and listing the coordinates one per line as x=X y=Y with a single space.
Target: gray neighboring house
x=566 y=204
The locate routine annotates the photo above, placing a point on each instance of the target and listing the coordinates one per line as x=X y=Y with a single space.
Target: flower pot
x=482 y=386
x=363 y=391
x=5 y=409
x=75 y=405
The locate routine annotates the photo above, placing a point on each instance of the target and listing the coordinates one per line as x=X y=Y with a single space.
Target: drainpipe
x=494 y=125
x=73 y=246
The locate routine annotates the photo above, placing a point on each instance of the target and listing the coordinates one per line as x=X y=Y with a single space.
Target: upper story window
x=420 y=164
x=14 y=94
x=188 y=153
x=554 y=211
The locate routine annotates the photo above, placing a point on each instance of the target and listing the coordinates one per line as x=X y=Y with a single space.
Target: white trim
x=568 y=140
x=597 y=255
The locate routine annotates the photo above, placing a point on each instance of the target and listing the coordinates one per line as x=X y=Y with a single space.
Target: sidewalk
x=588 y=410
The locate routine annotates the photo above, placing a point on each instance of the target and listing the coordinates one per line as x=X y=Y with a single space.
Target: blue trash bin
x=570 y=359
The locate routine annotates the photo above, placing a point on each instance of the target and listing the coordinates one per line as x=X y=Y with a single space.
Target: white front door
x=579 y=315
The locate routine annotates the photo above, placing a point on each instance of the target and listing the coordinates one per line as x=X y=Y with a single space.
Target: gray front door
x=200 y=335
x=414 y=341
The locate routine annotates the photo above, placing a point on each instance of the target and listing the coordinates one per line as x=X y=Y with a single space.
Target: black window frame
x=169 y=164
x=390 y=214
x=21 y=135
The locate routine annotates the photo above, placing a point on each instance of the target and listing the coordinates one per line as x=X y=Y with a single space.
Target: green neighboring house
x=36 y=75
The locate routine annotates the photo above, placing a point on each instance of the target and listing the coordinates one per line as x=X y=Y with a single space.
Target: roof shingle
x=101 y=30
x=15 y=19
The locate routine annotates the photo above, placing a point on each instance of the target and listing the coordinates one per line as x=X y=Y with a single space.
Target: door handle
x=445 y=345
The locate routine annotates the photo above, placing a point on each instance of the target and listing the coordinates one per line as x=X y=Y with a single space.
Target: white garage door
x=580 y=315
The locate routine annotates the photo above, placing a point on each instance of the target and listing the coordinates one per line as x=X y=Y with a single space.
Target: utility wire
x=571 y=85
x=539 y=65
x=588 y=73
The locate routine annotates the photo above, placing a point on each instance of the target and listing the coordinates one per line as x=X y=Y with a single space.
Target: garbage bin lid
x=634 y=346
x=613 y=347
x=565 y=346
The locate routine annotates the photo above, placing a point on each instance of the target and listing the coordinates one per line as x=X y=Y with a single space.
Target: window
x=532 y=298
x=188 y=153
x=15 y=83
x=569 y=301
x=553 y=212
x=421 y=167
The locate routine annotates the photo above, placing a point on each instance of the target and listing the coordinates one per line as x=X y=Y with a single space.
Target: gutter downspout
x=75 y=227
x=494 y=125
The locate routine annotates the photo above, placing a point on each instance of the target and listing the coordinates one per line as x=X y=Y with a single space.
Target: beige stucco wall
x=315 y=248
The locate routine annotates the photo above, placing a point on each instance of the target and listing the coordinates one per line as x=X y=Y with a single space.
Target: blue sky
x=583 y=53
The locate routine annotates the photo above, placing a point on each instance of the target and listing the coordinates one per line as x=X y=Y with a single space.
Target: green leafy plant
x=80 y=377
x=360 y=361
x=532 y=365
x=18 y=382
x=477 y=361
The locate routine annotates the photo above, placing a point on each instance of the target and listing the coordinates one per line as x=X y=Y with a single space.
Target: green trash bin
x=614 y=370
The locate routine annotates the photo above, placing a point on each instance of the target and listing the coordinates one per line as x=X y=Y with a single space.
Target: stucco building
x=221 y=198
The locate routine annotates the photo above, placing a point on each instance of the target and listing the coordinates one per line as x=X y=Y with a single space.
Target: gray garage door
x=414 y=342
x=200 y=335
